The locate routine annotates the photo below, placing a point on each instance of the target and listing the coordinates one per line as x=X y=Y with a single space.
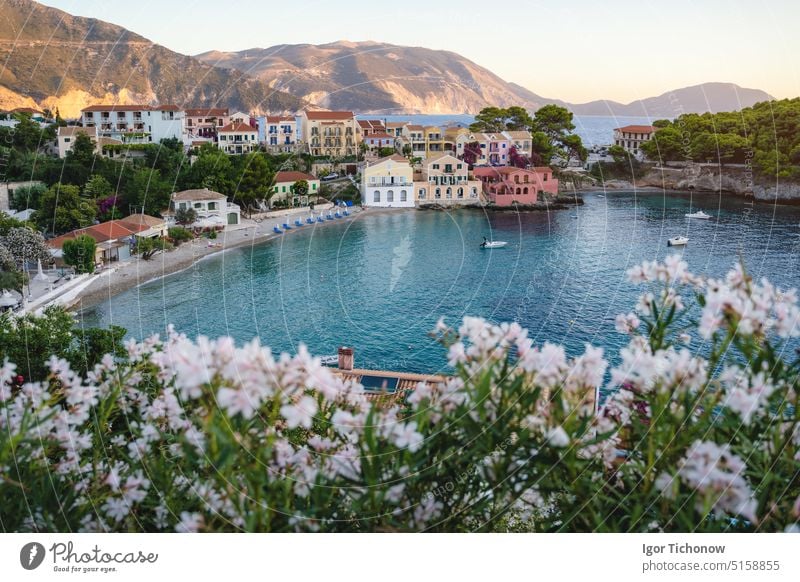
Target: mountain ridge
x=319 y=74
x=51 y=59
x=69 y=62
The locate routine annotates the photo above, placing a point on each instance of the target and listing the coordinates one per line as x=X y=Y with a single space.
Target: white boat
x=492 y=244
x=699 y=214
x=677 y=241
x=329 y=360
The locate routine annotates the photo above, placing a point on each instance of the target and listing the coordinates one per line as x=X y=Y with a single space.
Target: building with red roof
x=330 y=133
x=631 y=137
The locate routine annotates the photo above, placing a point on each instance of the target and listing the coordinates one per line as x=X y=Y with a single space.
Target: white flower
x=189 y=523
x=716 y=473
x=406 y=436
x=557 y=437
x=300 y=414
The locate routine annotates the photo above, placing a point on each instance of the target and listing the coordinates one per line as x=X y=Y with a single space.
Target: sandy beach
x=138 y=271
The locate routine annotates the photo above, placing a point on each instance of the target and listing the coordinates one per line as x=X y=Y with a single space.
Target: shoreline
x=137 y=272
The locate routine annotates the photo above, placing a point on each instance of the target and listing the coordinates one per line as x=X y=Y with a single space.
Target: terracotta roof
x=393 y=157
x=103 y=140
x=142 y=221
x=198 y=194
x=30 y=110
x=207 y=112
x=320 y=115
x=439 y=156
x=637 y=129
x=406 y=383
x=71 y=130
x=279 y=119
x=237 y=128
x=379 y=136
x=396 y=123
x=415 y=127
x=519 y=134
x=506 y=170
x=281 y=177
x=131 y=108
x=103 y=232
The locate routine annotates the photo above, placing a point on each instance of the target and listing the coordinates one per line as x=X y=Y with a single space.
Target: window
x=212 y=205
x=390 y=196
x=474 y=192
x=438 y=193
x=460 y=192
x=198 y=205
x=449 y=193
x=422 y=193
x=376 y=197
x=544 y=179
x=403 y=195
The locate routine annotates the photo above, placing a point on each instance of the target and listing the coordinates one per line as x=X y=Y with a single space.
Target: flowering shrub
x=202 y=435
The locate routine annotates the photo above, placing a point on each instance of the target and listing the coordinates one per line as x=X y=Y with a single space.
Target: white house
x=631 y=137
x=135 y=123
x=388 y=183
x=240 y=117
x=212 y=208
x=237 y=138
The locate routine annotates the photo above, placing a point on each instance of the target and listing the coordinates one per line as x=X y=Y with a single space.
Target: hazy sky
x=576 y=50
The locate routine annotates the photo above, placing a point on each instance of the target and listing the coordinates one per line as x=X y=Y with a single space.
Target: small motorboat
x=320 y=219
x=329 y=360
x=298 y=222
x=600 y=196
x=677 y=241
x=492 y=244
x=286 y=226
x=699 y=214
x=346 y=213
x=277 y=230
x=329 y=216
x=337 y=214
x=310 y=220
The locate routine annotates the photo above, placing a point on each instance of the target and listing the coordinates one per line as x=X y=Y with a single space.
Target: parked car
x=329 y=177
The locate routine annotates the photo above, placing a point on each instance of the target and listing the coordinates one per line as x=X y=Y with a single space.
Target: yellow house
x=444 y=180
x=330 y=133
x=388 y=183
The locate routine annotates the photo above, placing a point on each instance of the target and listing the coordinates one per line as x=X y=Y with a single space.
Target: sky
x=575 y=50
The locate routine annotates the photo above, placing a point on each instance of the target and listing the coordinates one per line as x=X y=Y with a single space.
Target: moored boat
x=677 y=241
x=699 y=214
x=492 y=244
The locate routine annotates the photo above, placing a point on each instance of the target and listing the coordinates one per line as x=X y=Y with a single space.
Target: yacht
x=677 y=241
x=699 y=214
x=492 y=244
x=329 y=360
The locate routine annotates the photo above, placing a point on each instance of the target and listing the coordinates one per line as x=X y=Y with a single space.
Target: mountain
x=52 y=59
x=708 y=97
x=385 y=78
x=377 y=77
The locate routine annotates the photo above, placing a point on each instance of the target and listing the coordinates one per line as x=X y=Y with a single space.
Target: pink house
x=507 y=185
x=379 y=140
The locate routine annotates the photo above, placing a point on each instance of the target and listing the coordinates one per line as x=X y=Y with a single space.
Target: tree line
x=766 y=136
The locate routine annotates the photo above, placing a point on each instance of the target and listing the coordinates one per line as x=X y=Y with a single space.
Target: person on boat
x=483 y=244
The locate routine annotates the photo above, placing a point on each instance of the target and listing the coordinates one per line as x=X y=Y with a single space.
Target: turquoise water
x=380 y=282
